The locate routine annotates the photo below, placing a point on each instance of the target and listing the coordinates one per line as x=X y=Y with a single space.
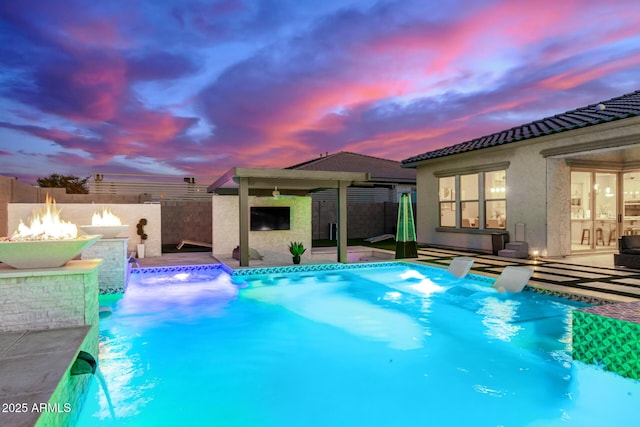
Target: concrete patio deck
x=32 y=364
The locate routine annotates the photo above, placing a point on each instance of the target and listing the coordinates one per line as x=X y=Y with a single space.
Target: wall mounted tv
x=270 y=218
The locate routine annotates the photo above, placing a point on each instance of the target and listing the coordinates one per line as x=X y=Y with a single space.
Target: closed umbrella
x=406 y=242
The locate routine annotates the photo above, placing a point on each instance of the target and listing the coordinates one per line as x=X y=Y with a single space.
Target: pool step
x=515 y=250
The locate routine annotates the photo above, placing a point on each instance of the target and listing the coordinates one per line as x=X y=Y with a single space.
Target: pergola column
x=342 y=221
x=243 y=202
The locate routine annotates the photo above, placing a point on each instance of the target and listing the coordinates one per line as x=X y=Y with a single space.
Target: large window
x=469 y=201
x=447 y=197
x=474 y=200
x=495 y=196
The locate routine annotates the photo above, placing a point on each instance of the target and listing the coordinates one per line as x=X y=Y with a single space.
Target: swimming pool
x=388 y=345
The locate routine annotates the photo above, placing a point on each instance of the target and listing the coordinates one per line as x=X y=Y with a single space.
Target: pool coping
x=33 y=365
x=479 y=276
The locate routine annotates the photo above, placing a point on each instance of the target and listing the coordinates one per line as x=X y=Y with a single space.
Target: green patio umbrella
x=406 y=242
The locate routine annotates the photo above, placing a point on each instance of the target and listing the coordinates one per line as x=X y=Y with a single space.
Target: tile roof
x=622 y=107
x=381 y=170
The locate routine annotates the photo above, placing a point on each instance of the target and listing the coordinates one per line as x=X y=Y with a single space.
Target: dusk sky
x=193 y=88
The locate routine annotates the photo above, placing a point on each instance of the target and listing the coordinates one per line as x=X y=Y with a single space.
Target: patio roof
x=257 y=181
x=289 y=179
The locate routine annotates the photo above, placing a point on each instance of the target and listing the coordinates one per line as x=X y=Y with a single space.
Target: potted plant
x=296 y=249
x=143 y=236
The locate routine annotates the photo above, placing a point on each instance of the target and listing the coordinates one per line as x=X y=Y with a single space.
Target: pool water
x=397 y=345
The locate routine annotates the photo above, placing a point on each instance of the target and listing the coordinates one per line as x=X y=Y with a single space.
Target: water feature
x=105 y=391
x=378 y=346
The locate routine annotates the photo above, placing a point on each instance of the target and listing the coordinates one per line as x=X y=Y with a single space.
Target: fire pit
x=107 y=224
x=47 y=242
x=42 y=253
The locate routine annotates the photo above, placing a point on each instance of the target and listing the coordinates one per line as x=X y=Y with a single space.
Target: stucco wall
x=538 y=187
x=526 y=198
x=559 y=216
x=80 y=214
x=273 y=245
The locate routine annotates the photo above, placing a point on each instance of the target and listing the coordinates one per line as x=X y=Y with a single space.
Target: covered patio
x=275 y=183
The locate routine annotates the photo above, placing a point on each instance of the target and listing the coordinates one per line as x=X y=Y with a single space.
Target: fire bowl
x=23 y=254
x=107 y=231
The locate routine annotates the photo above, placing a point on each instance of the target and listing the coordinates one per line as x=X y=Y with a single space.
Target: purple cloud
x=200 y=86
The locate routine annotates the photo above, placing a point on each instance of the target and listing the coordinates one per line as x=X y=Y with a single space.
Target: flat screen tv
x=270 y=218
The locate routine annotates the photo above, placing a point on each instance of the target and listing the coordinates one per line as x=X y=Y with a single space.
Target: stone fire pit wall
x=81 y=213
x=114 y=271
x=49 y=298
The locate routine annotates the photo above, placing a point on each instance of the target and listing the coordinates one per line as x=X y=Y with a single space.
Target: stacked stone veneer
x=70 y=391
x=273 y=244
x=609 y=336
x=54 y=298
x=114 y=271
x=49 y=298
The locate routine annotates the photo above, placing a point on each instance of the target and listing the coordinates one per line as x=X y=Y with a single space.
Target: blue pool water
x=393 y=345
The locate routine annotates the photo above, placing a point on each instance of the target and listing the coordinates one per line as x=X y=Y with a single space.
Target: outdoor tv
x=265 y=218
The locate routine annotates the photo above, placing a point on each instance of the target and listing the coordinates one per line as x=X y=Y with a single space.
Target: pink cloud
x=576 y=77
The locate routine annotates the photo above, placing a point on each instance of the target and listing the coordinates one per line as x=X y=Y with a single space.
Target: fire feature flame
x=46 y=224
x=106 y=219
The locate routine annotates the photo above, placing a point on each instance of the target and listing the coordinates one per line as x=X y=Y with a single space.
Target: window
x=469 y=201
x=447 y=197
x=495 y=195
x=480 y=199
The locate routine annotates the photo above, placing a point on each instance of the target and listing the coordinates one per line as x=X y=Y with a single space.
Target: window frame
x=456 y=202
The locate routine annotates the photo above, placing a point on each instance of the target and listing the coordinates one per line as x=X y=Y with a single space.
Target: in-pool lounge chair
x=460 y=266
x=512 y=279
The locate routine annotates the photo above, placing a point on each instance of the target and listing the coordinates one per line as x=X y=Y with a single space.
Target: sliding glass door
x=594 y=211
x=631 y=203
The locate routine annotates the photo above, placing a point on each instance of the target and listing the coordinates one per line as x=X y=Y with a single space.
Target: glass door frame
x=599 y=225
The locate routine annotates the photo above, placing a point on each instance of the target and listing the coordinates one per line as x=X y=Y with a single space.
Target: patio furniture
x=460 y=266
x=193 y=242
x=629 y=248
x=512 y=279
x=380 y=238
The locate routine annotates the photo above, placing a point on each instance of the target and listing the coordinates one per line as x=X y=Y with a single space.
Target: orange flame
x=106 y=218
x=46 y=224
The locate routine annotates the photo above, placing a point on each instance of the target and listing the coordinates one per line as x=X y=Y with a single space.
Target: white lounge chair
x=460 y=266
x=512 y=279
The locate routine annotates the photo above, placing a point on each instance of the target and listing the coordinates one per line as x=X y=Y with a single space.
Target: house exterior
x=564 y=184
x=388 y=178
x=372 y=207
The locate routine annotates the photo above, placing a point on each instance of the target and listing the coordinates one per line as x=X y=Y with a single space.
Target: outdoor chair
x=460 y=266
x=512 y=279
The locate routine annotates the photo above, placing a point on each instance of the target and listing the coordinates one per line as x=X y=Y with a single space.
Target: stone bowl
x=107 y=231
x=26 y=254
